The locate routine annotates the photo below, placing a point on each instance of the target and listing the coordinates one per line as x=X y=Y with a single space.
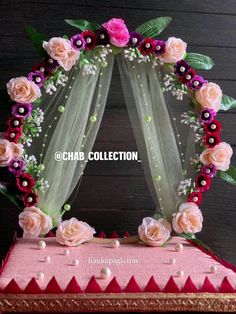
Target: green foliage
x=154 y=27
x=228 y=175
x=37 y=39
x=228 y=103
x=199 y=61
x=11 y=193
x=83 y=24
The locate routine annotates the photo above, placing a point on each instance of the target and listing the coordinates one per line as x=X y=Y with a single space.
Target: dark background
x=114 y=195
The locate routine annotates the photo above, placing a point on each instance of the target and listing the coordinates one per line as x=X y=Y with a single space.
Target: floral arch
x=67 y=90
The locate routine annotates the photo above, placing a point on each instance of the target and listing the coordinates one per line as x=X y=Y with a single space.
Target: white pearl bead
x=41 y=69
x=195 y=198
x=182 y=69
x=21 y=110
x=30 y=199
x=78 y=42
x=115 y=243
x=213 y=126
x=12 y=135
x=158 y=47
x=88 y=40
x=179 y=247
x=15 y=164
x=180 y=273
x=203 y=182
x=208 y=170
x=50 y=60
x=134 y=40
x=206 y=115
x=66 y=252
x=24 y=183
x=42 y=245
x=211 y=140
x=188 y=77
x=38 y=79
x=105 y=273
x=16 y=122
x=213 y=269
x=147 y=45
x=172 y=261
x=102 y=36
x=195 y=83
x=75 y=262
x=40 y=275
x=47 y=259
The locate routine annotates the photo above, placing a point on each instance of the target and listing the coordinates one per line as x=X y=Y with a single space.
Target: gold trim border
x=118 y=302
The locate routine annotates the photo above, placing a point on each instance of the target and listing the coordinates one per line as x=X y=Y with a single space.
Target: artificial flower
x=196 y=82
x=22 y=90
x=25 y=182
x=21 y=110
x=154 y=232
x=16 y=166
x=175 y=50
x=147 y=46
x=218 y=156
x=90 y=39
x=159 y=47
x=9 y=151
x=209 y=96
x=73 y=232
x=207 y=115
x=181 y=68
x=209 y=170
x=211 y=139
x=37 y=77
x=30 y=199
x=118 y=32
x=103 y=37
x=189 y=219
x=203 y=183
x=195 y=197
x=213 y=127
x=60 y=49
x=15 y=122
x=134 y=39
x=13 y=134
x=188 y=76
x=77 y=42
x=34 y=222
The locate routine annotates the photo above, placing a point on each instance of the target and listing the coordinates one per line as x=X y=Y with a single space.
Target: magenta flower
x=77 y=42
x=159 y=47
x=209 y=170
x=37 y=77
x=16 y=167
x=196 y=82
x=207 y=115
x=21 y=110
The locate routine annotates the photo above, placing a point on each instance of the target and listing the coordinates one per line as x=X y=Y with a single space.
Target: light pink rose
x=118 y=32
x=34 y=222
x=175 y=50
x=22 y=90
x=219 y=156
x=154 y=232
x=9 y=151
x=209 y=96
x=189 y=219
x=60 y=49
x=74 y=232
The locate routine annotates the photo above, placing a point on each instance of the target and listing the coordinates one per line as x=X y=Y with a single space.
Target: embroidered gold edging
x=122 y=302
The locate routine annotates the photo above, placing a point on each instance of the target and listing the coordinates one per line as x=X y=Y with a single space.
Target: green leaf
x=37 y=39
x=189 y=236
x=10 y=193
x=83 y=24
x=227 y=103
x=228 y=175
x=154 y=27
x=199 y=61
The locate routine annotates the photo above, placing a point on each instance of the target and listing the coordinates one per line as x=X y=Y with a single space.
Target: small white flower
x=184 y=186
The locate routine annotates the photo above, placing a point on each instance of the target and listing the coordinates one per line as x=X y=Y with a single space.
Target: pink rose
x=60 y=49
x=74 y=232
x=34 y=222
x=175 y=49
x=209 y=96
x=118 y=32
x=22 y=90
x=154 y=232
x=188 y=220
x=219 y=156
x=9 y=151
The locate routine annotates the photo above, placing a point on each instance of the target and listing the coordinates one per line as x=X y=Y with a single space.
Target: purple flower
x=209 y=170
x=135 y=39
x=37 y=77
x=103 y=37
x=77 y=42
x=16 y=166
x=21 y=110
x=160 y=47
x=207 y=115
x=196 y=82
x=50 y=64
x=181 y=68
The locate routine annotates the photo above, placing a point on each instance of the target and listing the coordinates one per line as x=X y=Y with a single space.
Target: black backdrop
x=114 y=195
